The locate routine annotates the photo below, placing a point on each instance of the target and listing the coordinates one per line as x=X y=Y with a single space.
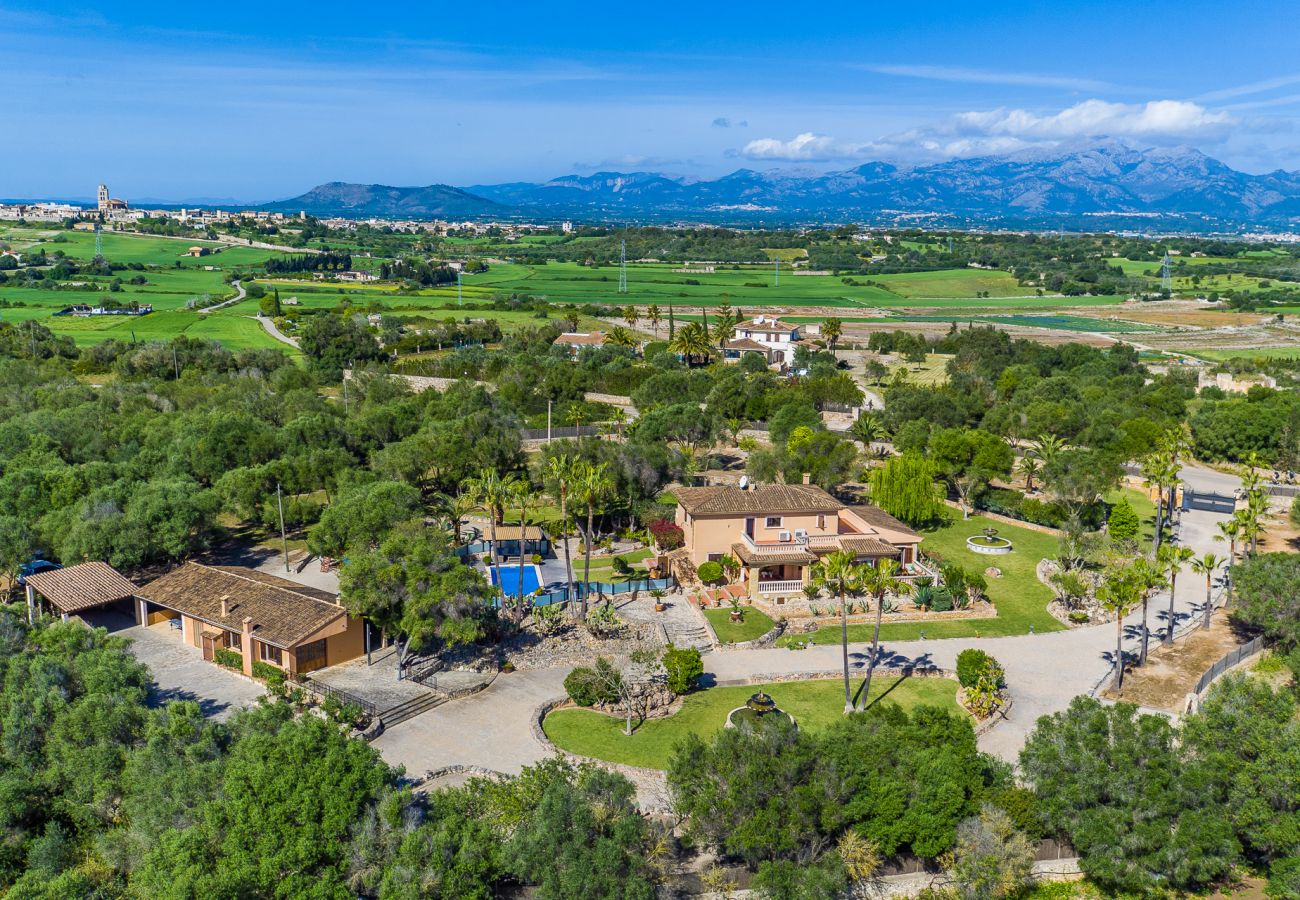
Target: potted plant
x=737 y=614
x=658 y=594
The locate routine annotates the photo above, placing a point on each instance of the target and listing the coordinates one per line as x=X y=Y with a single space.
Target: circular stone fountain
x=759 y=711
x=988 y=543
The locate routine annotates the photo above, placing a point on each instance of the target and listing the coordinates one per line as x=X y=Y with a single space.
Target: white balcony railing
x=780 y=587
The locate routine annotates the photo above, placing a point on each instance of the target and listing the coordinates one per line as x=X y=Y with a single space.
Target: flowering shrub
x=667 y=535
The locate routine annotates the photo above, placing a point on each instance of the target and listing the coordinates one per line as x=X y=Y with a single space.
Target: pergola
x=78 y=588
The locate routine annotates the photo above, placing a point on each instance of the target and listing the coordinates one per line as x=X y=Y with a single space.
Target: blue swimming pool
x=507 y=578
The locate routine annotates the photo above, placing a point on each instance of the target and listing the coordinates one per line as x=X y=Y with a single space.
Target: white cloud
x=806 y=147
x=1001 y=131
x=1156 y=120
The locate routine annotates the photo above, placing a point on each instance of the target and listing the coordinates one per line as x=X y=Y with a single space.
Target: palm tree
x=619 y=336
x=832 y=330
x=867 y=429
x=725 y=328
x=1118 y=594
x=881 y=579
x=491 y=493
x=840 y=574
x=1159 y=470
x=1046 y=447
x=1206 y=565
x=1256 y=509
x=454 y=509
x=1029 y=467
x=734 y=425
x=591 y=484
x=1172 y=558
x=1149 y=577
x=560 y=470
x=523 y=499
x=1230 y=531
x=630 y=316
x=1248 y=525
x=655 y=315
x=692 y=342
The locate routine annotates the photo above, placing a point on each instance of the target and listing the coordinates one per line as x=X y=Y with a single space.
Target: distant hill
x=364 y=200
x=1105 y=185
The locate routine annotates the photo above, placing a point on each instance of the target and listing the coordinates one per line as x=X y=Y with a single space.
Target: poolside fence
x=602 y=589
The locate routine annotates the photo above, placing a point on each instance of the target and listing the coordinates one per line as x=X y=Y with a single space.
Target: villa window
x=772 y=522
x=821 y=521
x=234 y=641
x=267 y=653
x=714 y=557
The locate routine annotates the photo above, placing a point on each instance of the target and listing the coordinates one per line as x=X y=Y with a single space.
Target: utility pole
x=622 y=267
x=176 y=366
x=345 y=397
x=284 y=539
x=458 y=302
x=548 y=424
x=31 y=323
x=776 y=267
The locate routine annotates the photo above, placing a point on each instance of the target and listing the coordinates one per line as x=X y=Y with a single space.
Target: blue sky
x=261 y=101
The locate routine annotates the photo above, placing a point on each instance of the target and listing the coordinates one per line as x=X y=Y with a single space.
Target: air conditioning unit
x=783 y=536
x=801 y=534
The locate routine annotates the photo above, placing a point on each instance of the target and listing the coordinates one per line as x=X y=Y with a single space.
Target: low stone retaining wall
x=1007 y=520
x=808 y=623
x=641 y=776
x=765 y=640
x=885 y=671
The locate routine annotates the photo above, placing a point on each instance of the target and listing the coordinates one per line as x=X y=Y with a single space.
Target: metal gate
x=1207 y=501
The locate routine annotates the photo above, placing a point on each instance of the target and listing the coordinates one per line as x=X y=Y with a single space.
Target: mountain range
x=1099 y=184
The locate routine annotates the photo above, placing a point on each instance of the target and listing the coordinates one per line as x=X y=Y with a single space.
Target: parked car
x=35 y=567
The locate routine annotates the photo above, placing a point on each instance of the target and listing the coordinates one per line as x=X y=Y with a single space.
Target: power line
x=1166 y=275
x=622 y=267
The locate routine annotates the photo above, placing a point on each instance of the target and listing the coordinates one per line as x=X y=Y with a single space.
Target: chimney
x=807 y=478
x=225 y=606
x=246 y=645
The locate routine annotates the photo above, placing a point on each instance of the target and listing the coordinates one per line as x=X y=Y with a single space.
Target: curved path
x=240 y=294
x=1044 y=671
x=273 y=331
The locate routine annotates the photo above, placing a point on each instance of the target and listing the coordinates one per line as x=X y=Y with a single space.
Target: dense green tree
x=362 y=515
x=905 y=487
x=1113 y=782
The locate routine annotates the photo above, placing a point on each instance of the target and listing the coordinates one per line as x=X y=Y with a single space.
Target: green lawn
x=814 y=705
x=754 y=625
x=1021 y=599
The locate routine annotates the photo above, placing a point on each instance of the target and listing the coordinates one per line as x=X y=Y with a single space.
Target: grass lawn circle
x=814 y=704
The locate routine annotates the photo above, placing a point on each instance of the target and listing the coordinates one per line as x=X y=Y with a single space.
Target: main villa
x=779 y=531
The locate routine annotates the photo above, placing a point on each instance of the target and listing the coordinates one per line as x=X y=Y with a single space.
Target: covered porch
x=78 y=589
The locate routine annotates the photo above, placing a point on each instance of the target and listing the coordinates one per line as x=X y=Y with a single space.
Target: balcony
x=780 y=587
x=795 y=543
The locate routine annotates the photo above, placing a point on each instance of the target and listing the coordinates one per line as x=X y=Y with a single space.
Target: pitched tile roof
x=283 y=612
x=511 y=533
x=868 y=546
x=81 y=587
x=874 y=515
x=595 y=338
x=761 y=499
x=743 y=344
x=795 y=555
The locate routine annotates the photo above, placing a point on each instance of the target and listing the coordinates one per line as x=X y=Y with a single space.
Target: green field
x=173 y=282
x=814 y=705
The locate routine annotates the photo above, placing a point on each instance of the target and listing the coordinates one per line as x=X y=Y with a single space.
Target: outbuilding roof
x=760 y=499
x=284 y=613
x=877 y=517
x=867 y=546
x=81 y=587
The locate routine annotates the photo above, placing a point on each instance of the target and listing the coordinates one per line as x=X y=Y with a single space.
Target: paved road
x=240 y=294
x=274 y=332
x=1045 y=672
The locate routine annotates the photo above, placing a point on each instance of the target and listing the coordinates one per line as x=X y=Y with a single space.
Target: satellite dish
x=744 y=482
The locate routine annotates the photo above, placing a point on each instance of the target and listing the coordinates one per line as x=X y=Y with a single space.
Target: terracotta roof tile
x=874 y=515
x=868 y=546
x=81 y=587
x=761 y=499
x=283 y=612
